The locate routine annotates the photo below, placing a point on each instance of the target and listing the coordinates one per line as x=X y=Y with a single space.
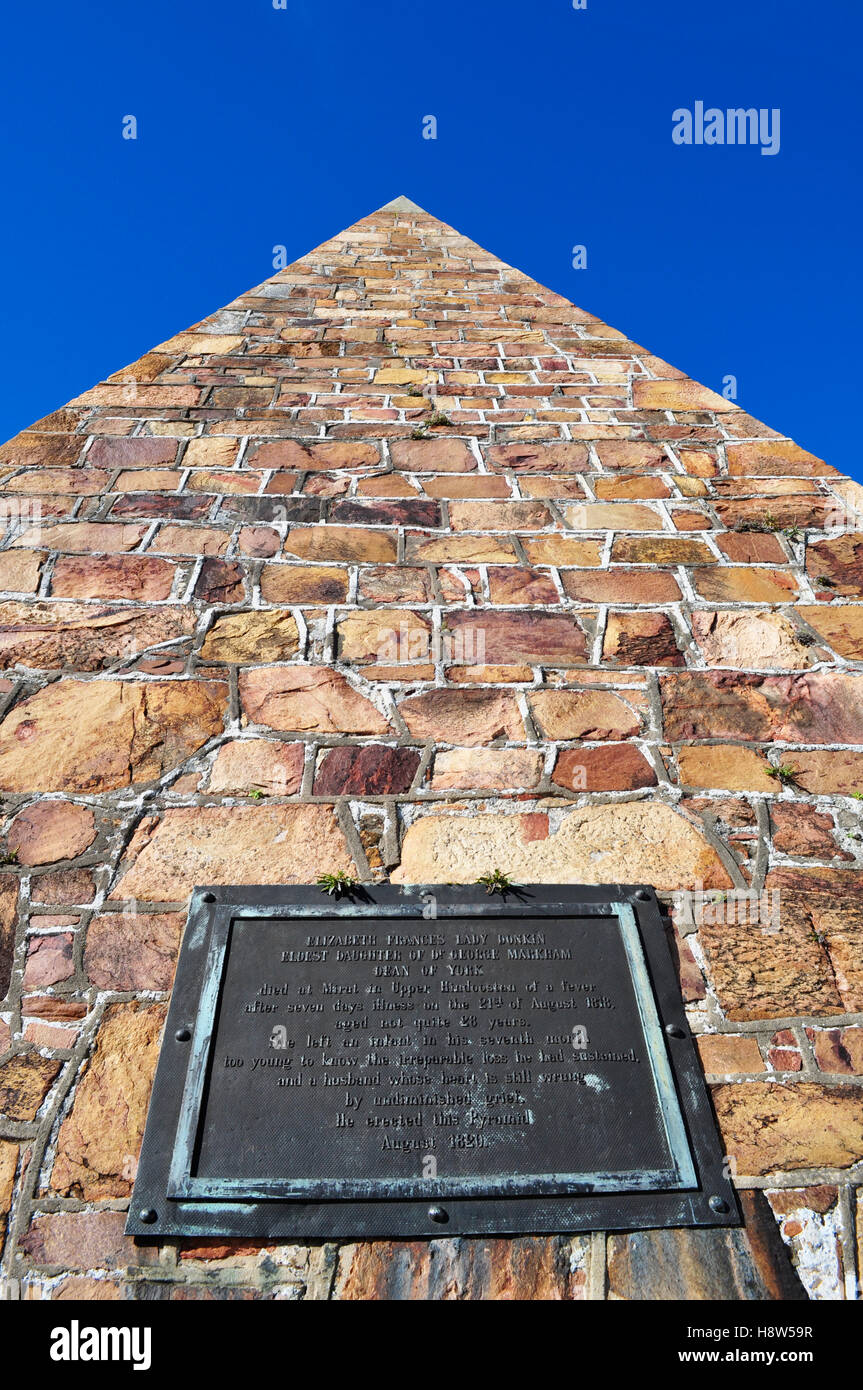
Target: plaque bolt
x=674 y=1030
x=718 y=1204
x=438 y=1214
x=147 y=1215
x=642 y=895
x=208 y=897
x=182 y=1034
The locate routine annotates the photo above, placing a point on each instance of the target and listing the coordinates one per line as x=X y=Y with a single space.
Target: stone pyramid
x=403 y=565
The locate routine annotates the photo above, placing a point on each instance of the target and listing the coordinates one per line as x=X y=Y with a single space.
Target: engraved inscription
x=441 y=1049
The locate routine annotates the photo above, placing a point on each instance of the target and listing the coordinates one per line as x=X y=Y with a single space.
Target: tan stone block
x=20 y=571
x=467 y=485
x=661 y=550
x=766 y=457
x=432 y=456
x=252 y=638
x=83 y=537
x=25 y=1081
x=8 y=1167
x=751 y=548
x=622 y=586
x=690 y=487
x=391 y=485
x=133 y=950
x=828 y=771
x=305 y=699
x=196 y=344
x=486 y=769
x=677 y=395
x=488 y=675
x=598 y=516
x=101 y=735
x=725 y=766
x=447 y=550
x=511 y=584
x=303 y=584
x=245 y=765
x=585 y=714
x=399 y=635
x=84 y=637
x=237 y=844
x=344 y=543
x=148 y=480
x=841 y=626
x=733 y=584
x=560 y=550
x=749 y=640
x=466 y=717
x=141 y=577
x=499 y=516
x=100 y=1139
x=208 y=452
x=724 y=1054
x=629 y=842
x=772 y=1128
x=620 y=489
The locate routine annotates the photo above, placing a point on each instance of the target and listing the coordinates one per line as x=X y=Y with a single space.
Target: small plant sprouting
x=414 y=390
x=784 y=774
x=338 y=884
x=437 y=417
x=858 y=796
x=256 y=793
x=767 y=523
x=496 y=882
x=10 y=857
x=826 y=582
x=419 y=433
x=793 y=533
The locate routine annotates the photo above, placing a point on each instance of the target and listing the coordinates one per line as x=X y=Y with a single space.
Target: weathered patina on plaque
x=414 y=1060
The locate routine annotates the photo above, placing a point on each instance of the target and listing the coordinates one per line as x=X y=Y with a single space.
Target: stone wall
x=403 y=565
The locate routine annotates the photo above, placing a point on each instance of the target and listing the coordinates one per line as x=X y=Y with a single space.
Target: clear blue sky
x=259 y=126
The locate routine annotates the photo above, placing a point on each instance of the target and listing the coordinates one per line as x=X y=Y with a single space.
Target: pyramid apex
x=403 y=204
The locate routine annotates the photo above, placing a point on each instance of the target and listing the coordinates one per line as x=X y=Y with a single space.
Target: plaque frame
x=169 y=1200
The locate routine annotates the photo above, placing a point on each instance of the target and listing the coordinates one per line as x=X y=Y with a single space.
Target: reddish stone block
x=49 y=960
x=800 y=829
x=614 y=767
x=839 y=561
x=641 y=639
x=363 y=512
x=513 y=637
x=140 y=577
x=51 y=830
x=25 y=1081
x=372 y=770
x=220 y=581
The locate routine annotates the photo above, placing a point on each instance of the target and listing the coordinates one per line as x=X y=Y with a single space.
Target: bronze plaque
x=414 y=1061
